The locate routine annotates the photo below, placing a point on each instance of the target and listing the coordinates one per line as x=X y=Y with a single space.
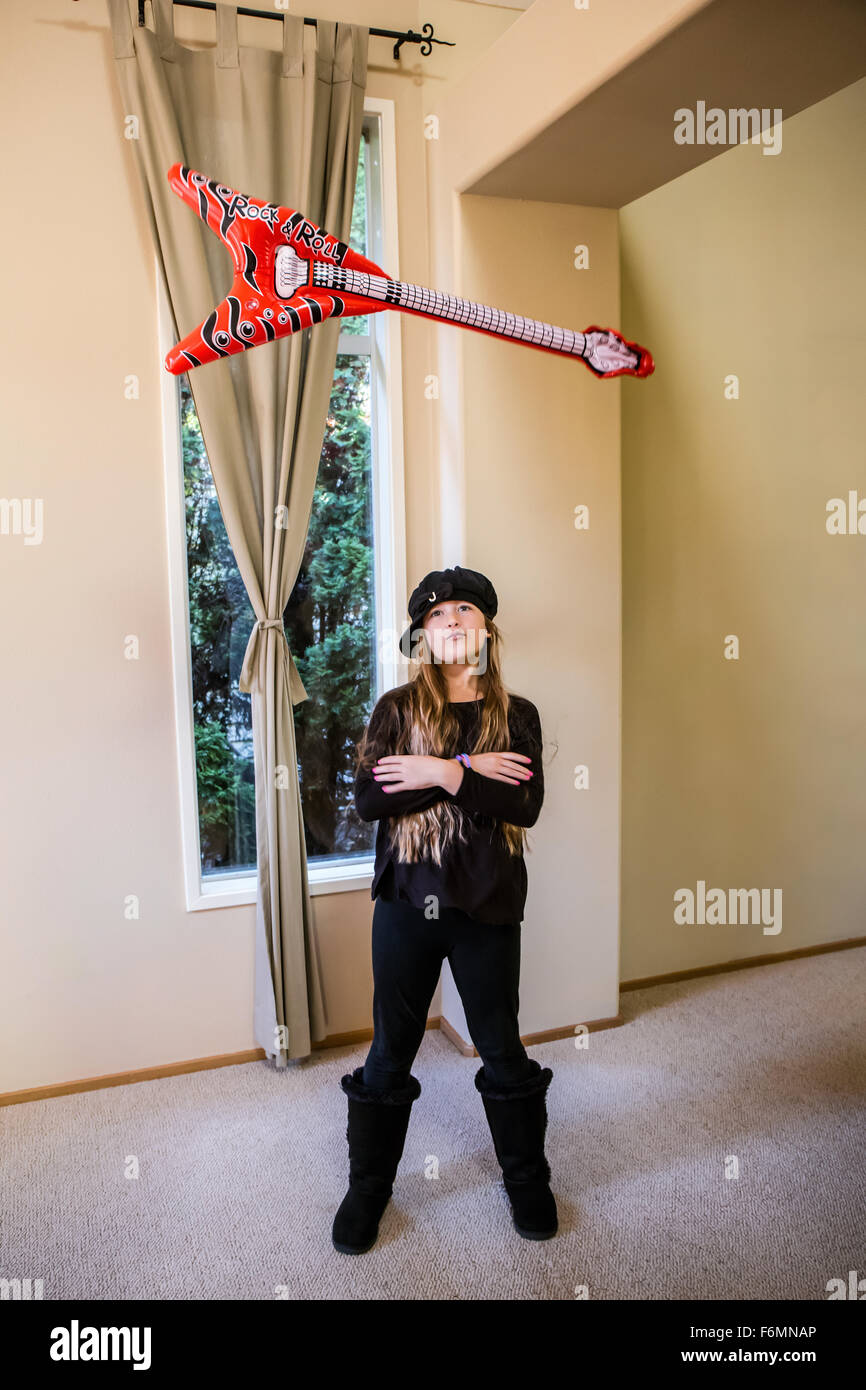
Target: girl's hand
x=399 y=772
x=502 y=767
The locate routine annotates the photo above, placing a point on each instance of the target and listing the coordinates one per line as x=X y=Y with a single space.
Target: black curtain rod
x=425 y=38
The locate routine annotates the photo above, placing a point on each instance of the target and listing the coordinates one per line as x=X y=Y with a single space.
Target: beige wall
x=746 y=773
x=541 y=437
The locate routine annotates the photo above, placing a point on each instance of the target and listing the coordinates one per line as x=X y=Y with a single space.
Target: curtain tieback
x=245 y=682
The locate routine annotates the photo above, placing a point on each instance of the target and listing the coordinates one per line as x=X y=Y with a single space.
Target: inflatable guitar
x=290 y=274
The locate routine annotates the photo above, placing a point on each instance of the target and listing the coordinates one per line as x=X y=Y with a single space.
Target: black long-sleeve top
x=478 y=876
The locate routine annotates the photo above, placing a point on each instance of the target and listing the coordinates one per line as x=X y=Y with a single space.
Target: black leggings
x=408 y=950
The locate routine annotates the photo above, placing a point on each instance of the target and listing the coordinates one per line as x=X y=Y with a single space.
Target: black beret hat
x=456 y=584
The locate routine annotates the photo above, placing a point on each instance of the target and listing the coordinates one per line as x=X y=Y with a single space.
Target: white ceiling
x=617 y=143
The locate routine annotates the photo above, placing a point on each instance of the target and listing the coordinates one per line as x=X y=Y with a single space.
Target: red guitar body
x=252 y=312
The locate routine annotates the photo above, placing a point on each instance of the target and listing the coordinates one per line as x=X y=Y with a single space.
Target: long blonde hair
x=419 y=720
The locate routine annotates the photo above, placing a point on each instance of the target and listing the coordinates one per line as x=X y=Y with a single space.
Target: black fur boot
x=378 y=1121
x=517 y=1116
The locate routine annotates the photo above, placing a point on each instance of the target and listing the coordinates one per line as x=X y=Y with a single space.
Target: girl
x=450 y=766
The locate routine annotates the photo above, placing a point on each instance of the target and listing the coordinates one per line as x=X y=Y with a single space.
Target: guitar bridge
x=290 y=271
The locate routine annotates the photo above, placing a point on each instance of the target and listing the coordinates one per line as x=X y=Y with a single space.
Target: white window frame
x=384 y=342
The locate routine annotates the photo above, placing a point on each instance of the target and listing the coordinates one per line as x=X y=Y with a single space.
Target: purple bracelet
x=464 y=759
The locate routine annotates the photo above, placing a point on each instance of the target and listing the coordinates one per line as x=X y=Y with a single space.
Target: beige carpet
x=241 y=1169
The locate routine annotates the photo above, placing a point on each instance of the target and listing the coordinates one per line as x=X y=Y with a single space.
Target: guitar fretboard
x=450 y=307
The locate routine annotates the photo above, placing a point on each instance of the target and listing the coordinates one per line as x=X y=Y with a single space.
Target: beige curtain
x=285 y=126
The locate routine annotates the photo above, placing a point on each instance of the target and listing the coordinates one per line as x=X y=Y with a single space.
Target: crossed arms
x=481 y=792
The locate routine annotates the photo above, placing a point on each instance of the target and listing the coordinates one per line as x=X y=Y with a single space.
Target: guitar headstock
x=608 y=354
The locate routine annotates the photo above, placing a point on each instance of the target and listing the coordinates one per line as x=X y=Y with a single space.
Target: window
x=350 y=591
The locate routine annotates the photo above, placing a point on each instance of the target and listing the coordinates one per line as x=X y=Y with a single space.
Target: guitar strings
x=465 y=311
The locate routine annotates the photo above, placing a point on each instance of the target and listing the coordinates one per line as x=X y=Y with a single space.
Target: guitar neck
x=434 y=305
